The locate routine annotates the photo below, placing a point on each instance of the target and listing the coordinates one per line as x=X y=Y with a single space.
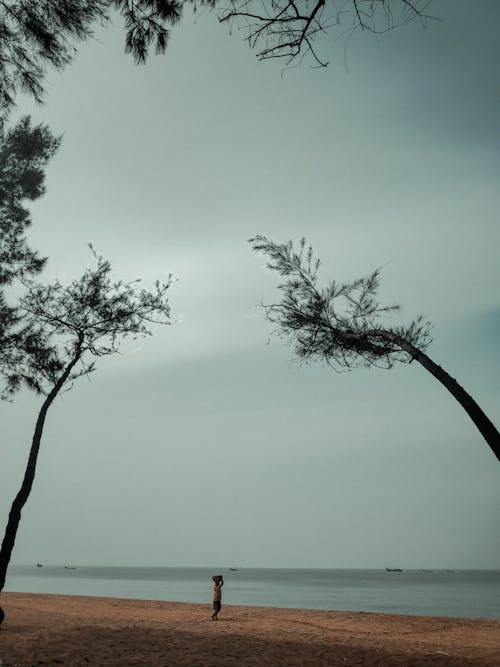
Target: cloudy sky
x=208 y=444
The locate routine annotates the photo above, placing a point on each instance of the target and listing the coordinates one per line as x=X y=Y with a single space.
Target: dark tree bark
x=29 y=475
x=339 y=324
x=90 y=316
x=480 y=419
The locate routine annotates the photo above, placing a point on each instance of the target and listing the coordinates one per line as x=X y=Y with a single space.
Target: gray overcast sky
x=204 y=445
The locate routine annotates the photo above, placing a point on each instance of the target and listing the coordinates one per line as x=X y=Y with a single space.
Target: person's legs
x=217 y=607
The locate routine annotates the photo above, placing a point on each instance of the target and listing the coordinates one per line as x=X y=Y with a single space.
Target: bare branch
x=289 y=29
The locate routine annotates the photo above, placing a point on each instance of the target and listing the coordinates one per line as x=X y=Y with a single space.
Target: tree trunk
x=29 y=475
x=22 y=496
x=482 y=422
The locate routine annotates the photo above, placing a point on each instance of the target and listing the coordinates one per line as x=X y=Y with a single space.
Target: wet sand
x=75 y=631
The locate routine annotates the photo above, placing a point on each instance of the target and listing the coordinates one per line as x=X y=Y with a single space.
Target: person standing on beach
x=217 y=601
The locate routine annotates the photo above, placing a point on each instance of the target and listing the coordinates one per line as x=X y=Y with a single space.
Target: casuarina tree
x=71 y=327
x=24 y=153
x=341 y=325
x=37 y=34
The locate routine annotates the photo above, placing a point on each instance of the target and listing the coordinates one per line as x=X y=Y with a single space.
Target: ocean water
x=464 y=593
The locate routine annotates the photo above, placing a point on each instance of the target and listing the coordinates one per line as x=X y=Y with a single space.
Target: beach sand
x=74 y=631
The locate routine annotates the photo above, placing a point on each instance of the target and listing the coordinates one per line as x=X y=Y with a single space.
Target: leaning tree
x=69 y=327
x=340 y=324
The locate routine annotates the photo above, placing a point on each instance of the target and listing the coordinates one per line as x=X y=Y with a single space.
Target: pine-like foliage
x=74 y=324
x=145 y=24
x=69 y=326
x=343 y=325
x=37 y=34
x=24 y=153
x=340 y=324
x=34 y=34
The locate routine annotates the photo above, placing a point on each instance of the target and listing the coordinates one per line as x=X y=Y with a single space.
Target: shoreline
x=255 y=607
x=52 y=629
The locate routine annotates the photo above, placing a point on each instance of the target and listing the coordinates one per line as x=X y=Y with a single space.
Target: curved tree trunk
x=22 y=496
x=483 y=423
x=29 y=475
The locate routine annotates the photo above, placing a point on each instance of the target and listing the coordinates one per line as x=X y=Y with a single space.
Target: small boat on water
x=233 y=569
x=393 y=569
x=69 y=567
x=39 y=565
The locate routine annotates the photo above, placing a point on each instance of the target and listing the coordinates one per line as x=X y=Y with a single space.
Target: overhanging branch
x=289 y=29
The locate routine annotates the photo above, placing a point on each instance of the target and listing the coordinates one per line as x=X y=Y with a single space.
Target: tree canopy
x=37 y=34
x=87 y=318
x=342 y=324
x=72 y=326
x=51 y=334
x=339 y=324
x=25 y=151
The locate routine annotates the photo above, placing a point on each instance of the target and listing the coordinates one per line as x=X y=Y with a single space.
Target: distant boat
x=393 y=569
x=233 y=569
x=39 y=565
x=68 y=567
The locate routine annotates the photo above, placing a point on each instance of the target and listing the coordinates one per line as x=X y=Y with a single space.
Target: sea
x=455 y=593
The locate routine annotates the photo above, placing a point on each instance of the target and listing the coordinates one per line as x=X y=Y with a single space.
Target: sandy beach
x=72 y=630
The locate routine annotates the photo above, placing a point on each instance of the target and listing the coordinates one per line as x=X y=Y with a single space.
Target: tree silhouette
x=291 y=29
x=72 y=326
x=24 y=153
x=340 y=324
x=36 y=34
